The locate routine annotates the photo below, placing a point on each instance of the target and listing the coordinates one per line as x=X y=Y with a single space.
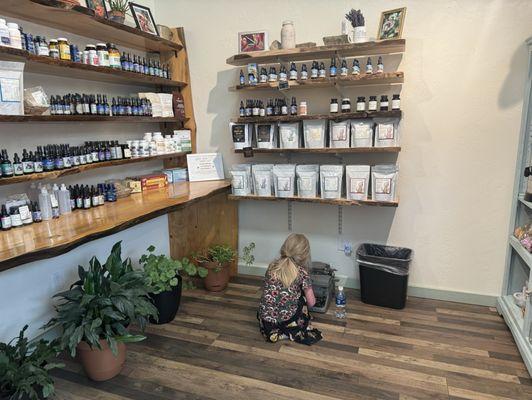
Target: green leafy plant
x=25 y=366
x=161 y=271
x=103 y=303
x=247 y=254
x=220 y=254
x=119 y=5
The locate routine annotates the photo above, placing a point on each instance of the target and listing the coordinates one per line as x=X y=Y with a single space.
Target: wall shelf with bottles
x=87 y=118
x=69 y=69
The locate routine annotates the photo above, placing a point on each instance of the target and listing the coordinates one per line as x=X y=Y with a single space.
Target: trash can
x=384 y=274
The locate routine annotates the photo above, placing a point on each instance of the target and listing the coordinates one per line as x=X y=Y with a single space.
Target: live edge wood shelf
x=326 y=150
x=337 y=202
x=70 y=69
x=320 y=52
x=52 y=238
x=86 y=118
x=83 y=168
x=334 y=117
x=82 y=21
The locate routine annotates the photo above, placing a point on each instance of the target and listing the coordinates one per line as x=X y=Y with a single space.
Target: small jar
x=14 y=35
x=93 y=55
x=361 y=104
x=54 y=49
x=103 y=54
x=346 y=105
x=303 y=108
x=372 y=103
x=396 y=102
x=384 y=103
x=64 y=49
x=333 y=108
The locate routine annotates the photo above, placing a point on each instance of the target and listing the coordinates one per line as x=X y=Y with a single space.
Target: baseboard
x=414 y=291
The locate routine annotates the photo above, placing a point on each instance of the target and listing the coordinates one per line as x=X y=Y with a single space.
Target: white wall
x=465 y=66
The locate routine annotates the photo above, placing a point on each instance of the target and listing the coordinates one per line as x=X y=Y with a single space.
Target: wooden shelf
x=84 y=118
x=320 y=52
x=337 y=202
x=69 y=69
x=83 y=168
x=388 y=78
x=327 y=150
x=335 y=117
x=51 y=238
x=82 y=21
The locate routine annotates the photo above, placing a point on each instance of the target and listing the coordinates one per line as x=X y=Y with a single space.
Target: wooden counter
x=52 y=238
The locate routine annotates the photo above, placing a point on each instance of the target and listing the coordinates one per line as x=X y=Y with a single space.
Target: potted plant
x=165 y=282
x=216 y=260
x=95 y=312
x=117 y=10
x=24 y=368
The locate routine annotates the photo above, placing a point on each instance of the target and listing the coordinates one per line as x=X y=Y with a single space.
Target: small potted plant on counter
x=216 y=260
x=97 y=310
x=117 y=10
x=165 y=282
x=24 y=368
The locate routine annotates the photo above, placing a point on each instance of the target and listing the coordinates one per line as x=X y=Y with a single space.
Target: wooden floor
x=213 y=350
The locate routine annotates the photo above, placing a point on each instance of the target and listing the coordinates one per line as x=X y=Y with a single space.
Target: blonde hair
x=295 y=252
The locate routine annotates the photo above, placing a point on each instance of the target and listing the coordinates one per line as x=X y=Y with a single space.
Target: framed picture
x=252 y=41
x=143 y=18
x=391 y=25
x=99 y=7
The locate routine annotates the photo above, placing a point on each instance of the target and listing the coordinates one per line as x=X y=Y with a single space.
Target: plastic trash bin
x=384 y=274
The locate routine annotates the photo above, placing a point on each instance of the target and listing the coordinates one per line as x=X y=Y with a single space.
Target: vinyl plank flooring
x=431 y=350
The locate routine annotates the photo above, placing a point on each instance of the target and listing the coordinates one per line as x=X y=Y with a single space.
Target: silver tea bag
x=240 y=183
x=247 y=169
x=307 y=180
x=386 y=132
x=241 y=135
x=357 y=181
x=284 y=180
x=339 y=134
x=314 y=133
x=265 y=135
x=361 y=133
x=289 y=135
x=384 y=182
x=262 y=179
x=331 y=179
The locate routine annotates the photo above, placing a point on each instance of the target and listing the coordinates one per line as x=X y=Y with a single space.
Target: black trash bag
x=395 y=260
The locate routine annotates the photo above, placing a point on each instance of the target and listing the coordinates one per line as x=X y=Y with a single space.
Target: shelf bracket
x=290 y=216
x=340 y=221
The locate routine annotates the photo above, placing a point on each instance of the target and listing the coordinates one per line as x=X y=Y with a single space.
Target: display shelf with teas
x=337 y=202
x=330 y=116
x=325 y=150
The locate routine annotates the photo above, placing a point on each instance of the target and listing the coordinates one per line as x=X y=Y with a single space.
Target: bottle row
x=101 y=54
x=317 y=134
x=98 y=104
x=317 y=71
x=352 y=182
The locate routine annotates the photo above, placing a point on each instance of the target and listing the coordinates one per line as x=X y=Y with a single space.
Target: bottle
x=284 y=108
x=5 y=219
x=369 y=66
x=86 y=198
x=78 y=197
x=45 y=204
x=38 y=160
x=293 y=107
x=332 y=68
x=17 y=165
x=27 y=163
x=36 y=212
x=304 y=72
x=343 y=68
x=372 y=103
x=355 y=70
x=380 y=66
x=293 y=72
x=384 y=103
x=269 y=108
x=64 y=49
x=340 y=303
x=262 y=110
x=64 y=200
x=396 y=102
x=242 y=78
x=314 y=70
x=346 y=105
x=333 y=108
x=361 y=103
x=7 y=166
x=322 y=73
x=242 y=110
x=283 y=77
x=14 y=35
x=263 y=77
x=5 y=39
x=303 y=108
x=16 y=220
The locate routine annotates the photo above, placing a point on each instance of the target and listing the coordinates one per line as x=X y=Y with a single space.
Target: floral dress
x=283 y=311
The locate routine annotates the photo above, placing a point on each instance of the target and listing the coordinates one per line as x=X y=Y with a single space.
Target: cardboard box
x=151 y=181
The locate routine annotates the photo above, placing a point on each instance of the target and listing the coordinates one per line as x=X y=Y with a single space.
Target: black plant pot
x=167 y=303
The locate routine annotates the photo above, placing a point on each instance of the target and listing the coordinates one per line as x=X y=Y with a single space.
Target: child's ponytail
x=294 y=252
x=284 y=270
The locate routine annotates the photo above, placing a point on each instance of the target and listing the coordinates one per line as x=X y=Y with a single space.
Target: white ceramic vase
x=288 y=35
x=359 y=35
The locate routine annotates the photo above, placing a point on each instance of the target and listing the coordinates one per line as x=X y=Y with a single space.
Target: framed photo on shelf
x=143 y=18
x=99 y=7
x=391 y=24
x=252 y=41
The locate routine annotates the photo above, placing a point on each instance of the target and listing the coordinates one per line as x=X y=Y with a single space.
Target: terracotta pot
x=101 y=365
x=167 y=303
x=117 y=16
x=216 y=281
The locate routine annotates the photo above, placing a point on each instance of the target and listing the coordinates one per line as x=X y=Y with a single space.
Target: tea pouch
x=241 y=135
x=289 y=135
x=265 y=135
x=240 y=183
x=247 y=169
x=362 y=133
x=314 y=133
x=331 y=178
x=339 y=134
x=386 y=132
x=384 y=182
x=307 y=180
x=11 y=88
x=262 y=179
x=284 y=180
x=357 y=181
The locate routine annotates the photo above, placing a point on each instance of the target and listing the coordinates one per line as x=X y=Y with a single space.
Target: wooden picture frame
x=252 y=41
x=143 y=18
x=391 y=24
x=98 y=6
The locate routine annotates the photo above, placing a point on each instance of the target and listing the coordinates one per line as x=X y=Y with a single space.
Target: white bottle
x=288 y=35
x=14 y=35
x=45 y=204
x=5 y=39
x=64 y=200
